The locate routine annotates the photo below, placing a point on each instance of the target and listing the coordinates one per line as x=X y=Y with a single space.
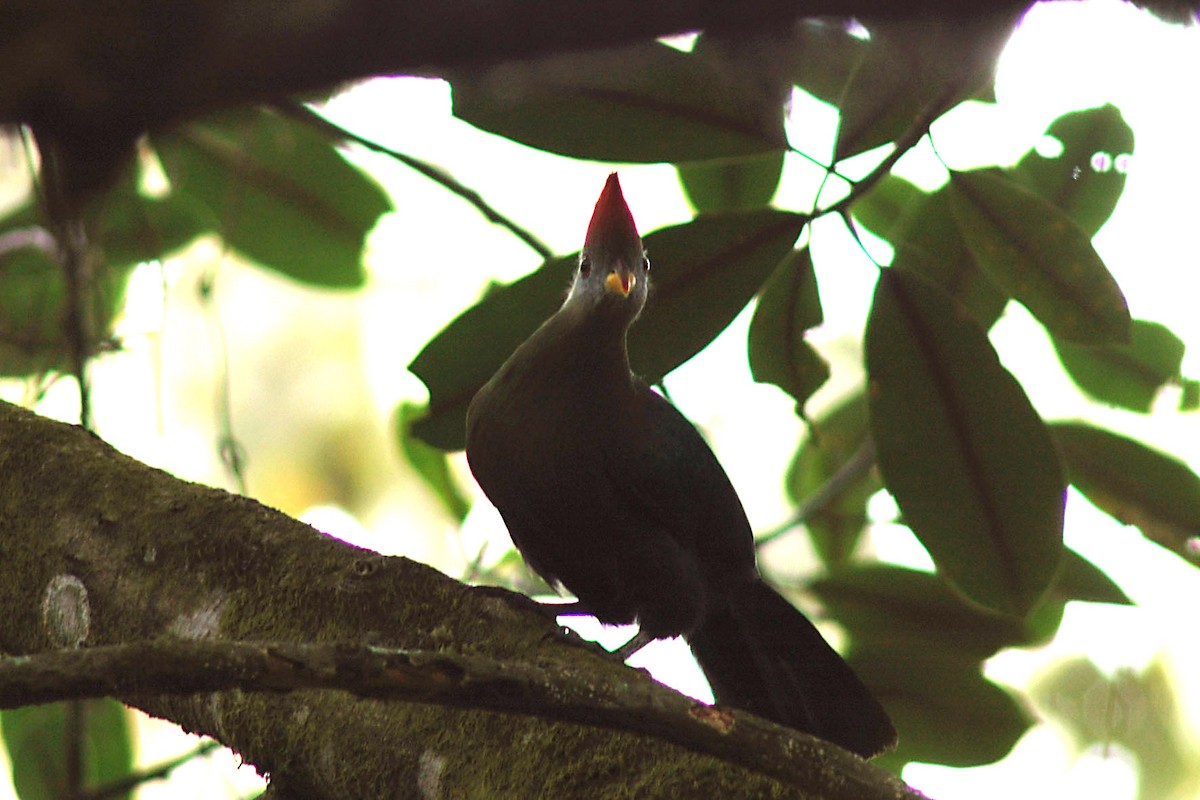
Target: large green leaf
x=945 y=710
x=881 y=604
x=905 y=608
x=1038 y=255
x=887 y=203
x=835 y=438
x=468 y=351
x=1082 y=180
x=1135 y=484
x=789 y=306
x=36 y=739
x=732 y=185
x=968 y=459
x=1126 y=375
x=1080 y=579
x=278 y=192
x=642 y=103
x=909 y=65
x=825 y=55
x=929 y=241
x=705 y=272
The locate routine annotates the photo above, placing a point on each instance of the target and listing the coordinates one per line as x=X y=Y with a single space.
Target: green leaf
x=928 y=241
x=886 y=204
x=33 y=308
x=968 y=459
x=881 y=604
x=835 y=438
x=644 y=103
x=279 y=193
x=139 y=228
x=1035 y=253
x=1082 y=180
x=705 y=272
x=1189 y=399
x=1126 y=375
x=1135 y=484
x=909 y=65
x=734 y=185
x=1080 y=579
x=779 y=353
x=1077 y=579
x=429 y=463
x=945 y=710
x=468 y=351
x=36 y=737
x=825 y=55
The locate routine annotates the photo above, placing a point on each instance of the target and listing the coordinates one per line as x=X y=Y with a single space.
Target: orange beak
x=620 y=281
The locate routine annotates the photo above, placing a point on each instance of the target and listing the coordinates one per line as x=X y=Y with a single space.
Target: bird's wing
x=674 y=479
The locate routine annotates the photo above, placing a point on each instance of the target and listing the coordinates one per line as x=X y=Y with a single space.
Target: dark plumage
x=609 y=491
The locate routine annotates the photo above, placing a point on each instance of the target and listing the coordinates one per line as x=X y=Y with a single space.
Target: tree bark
x=69 y=63
x=100 y=550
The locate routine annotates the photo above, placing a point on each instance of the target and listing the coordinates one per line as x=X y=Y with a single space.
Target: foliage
x=976 y=472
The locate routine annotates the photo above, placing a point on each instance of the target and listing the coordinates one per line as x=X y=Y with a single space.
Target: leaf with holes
x=278 y=192
x=643 y=103
x=968 y=459
x=1126 y=375
x=1085 y=180
x=1135 y=484
x=789 y=306
x=1035 y=253
x=705 y=272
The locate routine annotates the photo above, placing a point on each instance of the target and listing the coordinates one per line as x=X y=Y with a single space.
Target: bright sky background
x=431 y=259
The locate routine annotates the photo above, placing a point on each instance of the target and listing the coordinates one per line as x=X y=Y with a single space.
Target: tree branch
x=452 y=679
x=101 y=551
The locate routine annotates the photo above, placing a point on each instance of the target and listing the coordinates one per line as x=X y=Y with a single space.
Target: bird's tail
x=762 y=655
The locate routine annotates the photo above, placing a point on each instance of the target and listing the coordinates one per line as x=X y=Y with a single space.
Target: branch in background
x=304 y=114
x=452 y=679
x=133 y=780
x=830 y=491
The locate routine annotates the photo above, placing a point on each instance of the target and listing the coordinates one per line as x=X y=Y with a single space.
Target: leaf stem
x=303 y=113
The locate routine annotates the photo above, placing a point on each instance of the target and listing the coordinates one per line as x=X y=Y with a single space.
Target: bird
x=609 y=492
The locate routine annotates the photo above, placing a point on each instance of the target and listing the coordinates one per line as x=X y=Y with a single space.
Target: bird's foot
x=639 y=640
x=550 y=611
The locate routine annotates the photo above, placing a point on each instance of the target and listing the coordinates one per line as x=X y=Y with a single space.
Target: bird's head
x=613 y=274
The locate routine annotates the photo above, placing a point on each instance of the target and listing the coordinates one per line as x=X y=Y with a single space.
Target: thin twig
x=303 y=113
x=915 y=132
x=133 y=780
x=849 y=473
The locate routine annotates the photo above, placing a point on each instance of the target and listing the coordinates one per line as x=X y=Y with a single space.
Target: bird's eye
x=645 y=264
x=585 y=266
